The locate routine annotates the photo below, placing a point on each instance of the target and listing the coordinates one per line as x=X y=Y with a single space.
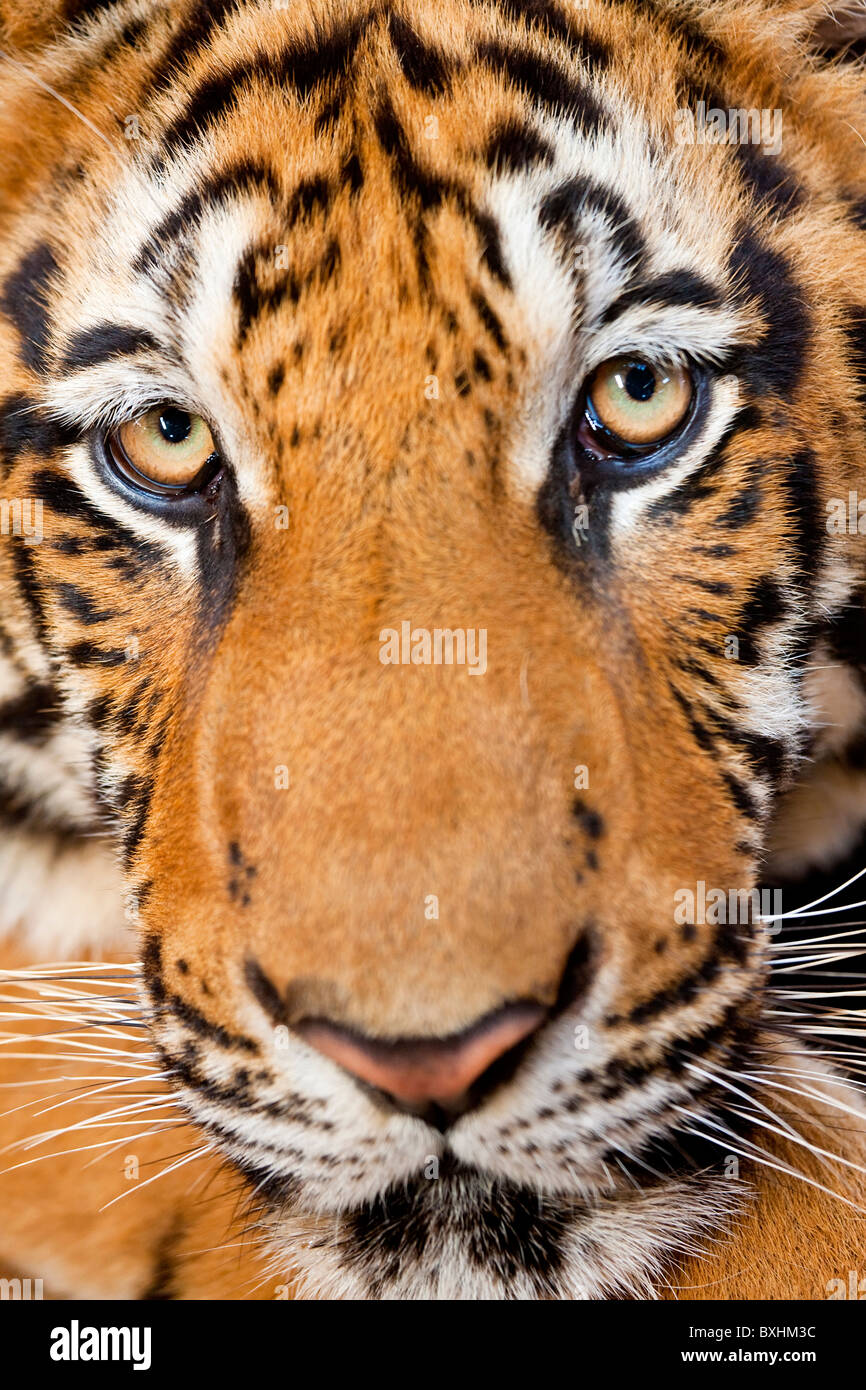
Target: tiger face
x=434 y=436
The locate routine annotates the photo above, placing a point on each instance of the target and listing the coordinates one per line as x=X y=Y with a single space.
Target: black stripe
x=252 y=300
x=92 y=346
x=431 y=190
x=164 y=1000
x=799 y=479
x=303 y=70
x=265 y=992
x=621 y=1073
x=855 y=334
x=703 y=738
x=742 y=797
x=514 y=146
x=75 y=11
x=548 y=16
x=132 y=35
x=770 y=183
x=201 y=25
x=490 y=319
x=847 y=631
x=676 y=287
x=698 y=670
x=22 y=428
x=705 y=479
x=163 y=1285
x=743 y=507
x=142 y=794
x=82 y=606
x=425 y=68
x=858 y=211
x=725 y=946
x=487 y=231
x=88 y=654
x=696 y=43
x=65 y=498
x=775 y=362
x=562 y=209
x=246 y=177
x=709 y=586
x=765 y=607
x=311 y=195
x=543 y=82
x=33 y=715
x=25 y=302
x=28 y=585
x=766 y=756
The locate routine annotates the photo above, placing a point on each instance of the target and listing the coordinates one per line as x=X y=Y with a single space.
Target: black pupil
x=174 y=425
x=640 y=381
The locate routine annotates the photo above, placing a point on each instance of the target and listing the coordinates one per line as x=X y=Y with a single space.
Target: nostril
x=422 y=1072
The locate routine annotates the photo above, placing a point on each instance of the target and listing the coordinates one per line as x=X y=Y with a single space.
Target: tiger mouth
x=558 y=1149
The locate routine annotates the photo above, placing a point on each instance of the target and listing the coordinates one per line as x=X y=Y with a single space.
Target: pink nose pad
x=417 y=1071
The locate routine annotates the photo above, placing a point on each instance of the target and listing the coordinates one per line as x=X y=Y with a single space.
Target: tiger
x=398 y=733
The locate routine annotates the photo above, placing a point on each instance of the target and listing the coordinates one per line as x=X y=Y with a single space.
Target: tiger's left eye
x=635 y=403
x=167 y=451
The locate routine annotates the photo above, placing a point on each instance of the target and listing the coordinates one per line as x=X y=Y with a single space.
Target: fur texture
x=380 y=247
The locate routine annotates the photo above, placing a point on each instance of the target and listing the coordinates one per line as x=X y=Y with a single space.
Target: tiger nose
x=423 y=1072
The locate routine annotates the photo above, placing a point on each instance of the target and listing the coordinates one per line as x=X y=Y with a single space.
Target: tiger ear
x=840 y=29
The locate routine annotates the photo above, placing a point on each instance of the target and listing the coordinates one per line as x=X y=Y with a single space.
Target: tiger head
x=433 y=412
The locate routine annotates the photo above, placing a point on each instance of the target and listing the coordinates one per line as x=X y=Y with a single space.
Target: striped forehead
x=549 y=233
x=279 y=184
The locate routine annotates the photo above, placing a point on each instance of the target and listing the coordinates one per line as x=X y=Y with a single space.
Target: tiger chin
x=343 y=966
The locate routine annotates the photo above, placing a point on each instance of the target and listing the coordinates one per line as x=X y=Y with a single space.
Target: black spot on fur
x=591 y=821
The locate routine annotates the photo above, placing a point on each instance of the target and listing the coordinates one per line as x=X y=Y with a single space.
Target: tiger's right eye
x=169 y=451
x=638 y=403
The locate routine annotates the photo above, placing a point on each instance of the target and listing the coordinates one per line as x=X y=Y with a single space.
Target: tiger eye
x=168 y=447
x=637 y=402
